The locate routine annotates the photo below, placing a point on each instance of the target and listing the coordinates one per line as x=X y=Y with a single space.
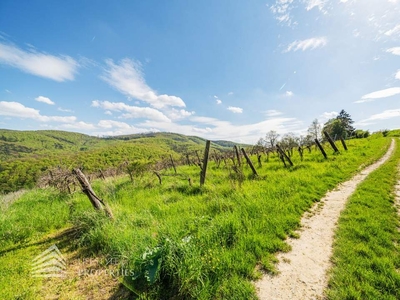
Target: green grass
x=366 y=250
x=187 y=242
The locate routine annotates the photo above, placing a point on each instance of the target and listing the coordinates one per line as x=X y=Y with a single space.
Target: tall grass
x=366 y=250
x=186 y=242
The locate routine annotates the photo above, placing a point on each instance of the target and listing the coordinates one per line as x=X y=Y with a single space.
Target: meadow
x=180 y=241
x=366 y=249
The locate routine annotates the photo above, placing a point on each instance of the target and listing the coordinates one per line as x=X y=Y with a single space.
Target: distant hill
x=25 y=155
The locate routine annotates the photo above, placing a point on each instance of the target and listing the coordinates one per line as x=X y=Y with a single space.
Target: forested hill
x=25 y=155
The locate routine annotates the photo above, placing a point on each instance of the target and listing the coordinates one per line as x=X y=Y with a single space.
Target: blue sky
x=217 y=69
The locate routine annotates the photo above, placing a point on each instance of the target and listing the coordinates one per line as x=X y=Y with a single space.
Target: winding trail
x=303 y=271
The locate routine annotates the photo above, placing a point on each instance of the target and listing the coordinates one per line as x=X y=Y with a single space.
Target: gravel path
x=302 y=272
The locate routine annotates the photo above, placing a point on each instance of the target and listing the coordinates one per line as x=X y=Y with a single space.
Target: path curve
x=302 y=271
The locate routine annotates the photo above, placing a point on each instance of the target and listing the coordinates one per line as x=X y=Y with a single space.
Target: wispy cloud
x=127 y=77
x=65 y=110
x=315 y=3
x=327 y=116
x=397 y=76
x=132 y=111
x=387 y=114
x=289 y=94
x=16 y=109
x=79 y=126
x=272 y=113
x=44 y=100
x=394 y=50
x=394 y=30
x=58 y=68
x=235 y=110
x=281 y=10
x=308 y=44
x=379 y=94
x=178 y=114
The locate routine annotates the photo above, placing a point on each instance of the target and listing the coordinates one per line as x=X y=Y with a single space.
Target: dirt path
x=303 y=270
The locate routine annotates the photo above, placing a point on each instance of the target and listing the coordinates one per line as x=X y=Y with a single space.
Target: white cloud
x=315 y=3
x=394 y=30
x=119 y=128
x=327 y=116
x=107 y=112
x=110 y=124
x=379 y=94
x=132 y=111
x=16 y=109
x=79 y=125
x=272 y=113
x=175 y=114
x=394 y=50
x=397 y=76
x=235 y=110
x=127 y=77
x=387 y=114
x=65 y=110
x=218 y=101
x=289 y=94
x=58 y=68
x=308 y=44
x=230 y=93
x=44 y=100
x=216 y=129
x=281 y=10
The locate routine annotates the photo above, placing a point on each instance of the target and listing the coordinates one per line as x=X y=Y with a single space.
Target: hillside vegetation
x=26 y=155
x=180 y=241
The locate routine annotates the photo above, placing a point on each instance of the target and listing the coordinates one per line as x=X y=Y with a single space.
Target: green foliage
x=27 y=155
x=340 y=126
x=199 y=243
x=366 y=250
x=359 y=134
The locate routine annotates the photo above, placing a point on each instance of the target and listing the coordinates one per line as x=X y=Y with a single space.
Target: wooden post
x=237 y=155
x=205 y=161
x=284 y=155
x=331 y=141
x=249 y=162
x=102 y=174
x=198 y=158
x=259 y=160
x=187 y=159
x=343 y=143
x=158 y=176
x=87 y=189
x=172 y=162
x=300 y=152
x=320 y=148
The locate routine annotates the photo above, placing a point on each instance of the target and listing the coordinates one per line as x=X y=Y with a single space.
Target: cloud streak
x=308 y=44
x=132 y=112
x=16 y=109
x=235 y=110
x=58 y=68
x=379 y=94
x=44 y=100
x=127 y=77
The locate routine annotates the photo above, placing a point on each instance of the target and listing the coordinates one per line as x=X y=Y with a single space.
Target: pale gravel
x=303 y=270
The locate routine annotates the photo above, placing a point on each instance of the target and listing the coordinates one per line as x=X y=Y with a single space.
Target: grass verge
x=366 y=249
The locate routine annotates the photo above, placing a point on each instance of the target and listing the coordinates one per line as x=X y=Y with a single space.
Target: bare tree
x=272 y=137
x=315 y=129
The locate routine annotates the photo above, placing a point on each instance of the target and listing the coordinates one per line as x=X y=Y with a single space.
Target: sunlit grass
x=201 y=243
x=366 y=252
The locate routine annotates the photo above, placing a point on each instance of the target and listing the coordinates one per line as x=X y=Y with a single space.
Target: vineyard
x=178 y=239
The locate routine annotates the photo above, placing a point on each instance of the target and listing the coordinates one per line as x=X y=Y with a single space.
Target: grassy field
x=180 y=241
x=366 y=250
